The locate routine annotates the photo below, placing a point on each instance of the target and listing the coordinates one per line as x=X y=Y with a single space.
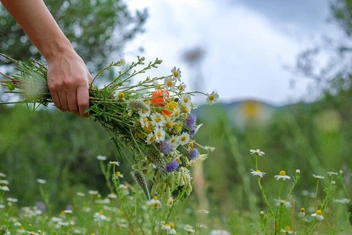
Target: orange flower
x=160 y=98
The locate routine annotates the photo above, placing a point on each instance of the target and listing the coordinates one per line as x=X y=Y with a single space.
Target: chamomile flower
x=283 y=202
x=258 y=173
x=169 y=84
x=155 y=202
x=144 y=122
x=318 y=215
x=174 y=141
x=181 y=87
x=144 y=112
x=286 y=230
x=189 y=229
x=116 y=163
x=41 y=181
x=185 y=99
x=172 y=229
x=4 y=188
x=282 y=176
x=176 y=73
x=257 y=152
x=101 y=158
x=302 y=212
x=342 y=201
x=150 y=138
x=157 y=119
x=159 y=134
x=212 y=98
x=318 y=176
x=184 y=138
x=176 y=113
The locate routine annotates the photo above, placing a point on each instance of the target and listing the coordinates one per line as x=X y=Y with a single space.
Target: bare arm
x=68 y=77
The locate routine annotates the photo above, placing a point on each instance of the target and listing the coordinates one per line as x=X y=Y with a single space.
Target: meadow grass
x=279 y=209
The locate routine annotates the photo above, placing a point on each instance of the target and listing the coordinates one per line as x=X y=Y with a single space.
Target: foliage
x=94 y=28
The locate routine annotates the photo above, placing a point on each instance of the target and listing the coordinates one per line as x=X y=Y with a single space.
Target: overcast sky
x=246 y=42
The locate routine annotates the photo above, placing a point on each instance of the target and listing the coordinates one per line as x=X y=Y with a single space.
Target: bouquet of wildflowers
x=151 y=119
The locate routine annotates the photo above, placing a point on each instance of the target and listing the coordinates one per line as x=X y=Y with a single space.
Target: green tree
x=96 y=28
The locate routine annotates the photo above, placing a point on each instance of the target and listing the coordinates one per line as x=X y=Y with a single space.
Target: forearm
x=38 y=23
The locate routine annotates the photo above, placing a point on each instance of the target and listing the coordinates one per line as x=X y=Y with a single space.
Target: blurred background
x=282 y=70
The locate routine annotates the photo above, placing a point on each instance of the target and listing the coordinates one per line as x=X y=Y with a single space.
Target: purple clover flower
x=193 y=154
x=172 y=166
x=191 y=121
x=165 y=147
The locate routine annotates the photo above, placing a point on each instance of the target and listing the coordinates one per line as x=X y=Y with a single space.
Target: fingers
x=68 y=82
x=71 y=95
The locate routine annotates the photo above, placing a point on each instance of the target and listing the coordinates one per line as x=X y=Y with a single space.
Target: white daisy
x=257 y=152
x=184 y=138
x=169 y=84
x=258 y=173
x=176 y=73
x=212 y=98
x=185 y=99
x=282 y=176
x=150 y=138
x=144 y=122
x=158 y=120
x=144 y=112
x=159 y=134
x=318 y=215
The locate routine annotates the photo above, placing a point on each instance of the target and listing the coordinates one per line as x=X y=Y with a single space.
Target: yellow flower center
x=155 y=197
x=185 y=109
x=258 y=171
x=100 y=213
x=118 y=173
x=175 y=74
x=172 y=226
x=172 y=105
x=159 y=134
x=191 y=144
x=121 y=95
x=211 y=97
x=302 y=210
x=282 y=173
x=152 y=138
x=183 y=138
x=319 y=212
x=169 y=125
x=185 y=100
x=178 y=160
x=287 y=228
x=169 y=83
x=157 y=119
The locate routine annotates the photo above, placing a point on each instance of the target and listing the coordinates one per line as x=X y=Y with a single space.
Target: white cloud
x=244 y=53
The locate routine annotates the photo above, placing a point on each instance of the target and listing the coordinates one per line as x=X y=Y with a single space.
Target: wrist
x=55 y=48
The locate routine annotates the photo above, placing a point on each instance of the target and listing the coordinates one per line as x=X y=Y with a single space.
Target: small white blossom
x=41 y=181
x=114 y=163
x=101 y=158
x=318 y=215
x=342 y=200
x=257 y=152
x=257 y=173
x=318 y=176
x=176 y=73
x=212 y=98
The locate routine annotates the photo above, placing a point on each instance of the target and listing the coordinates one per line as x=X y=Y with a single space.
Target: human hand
x=68 y=82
